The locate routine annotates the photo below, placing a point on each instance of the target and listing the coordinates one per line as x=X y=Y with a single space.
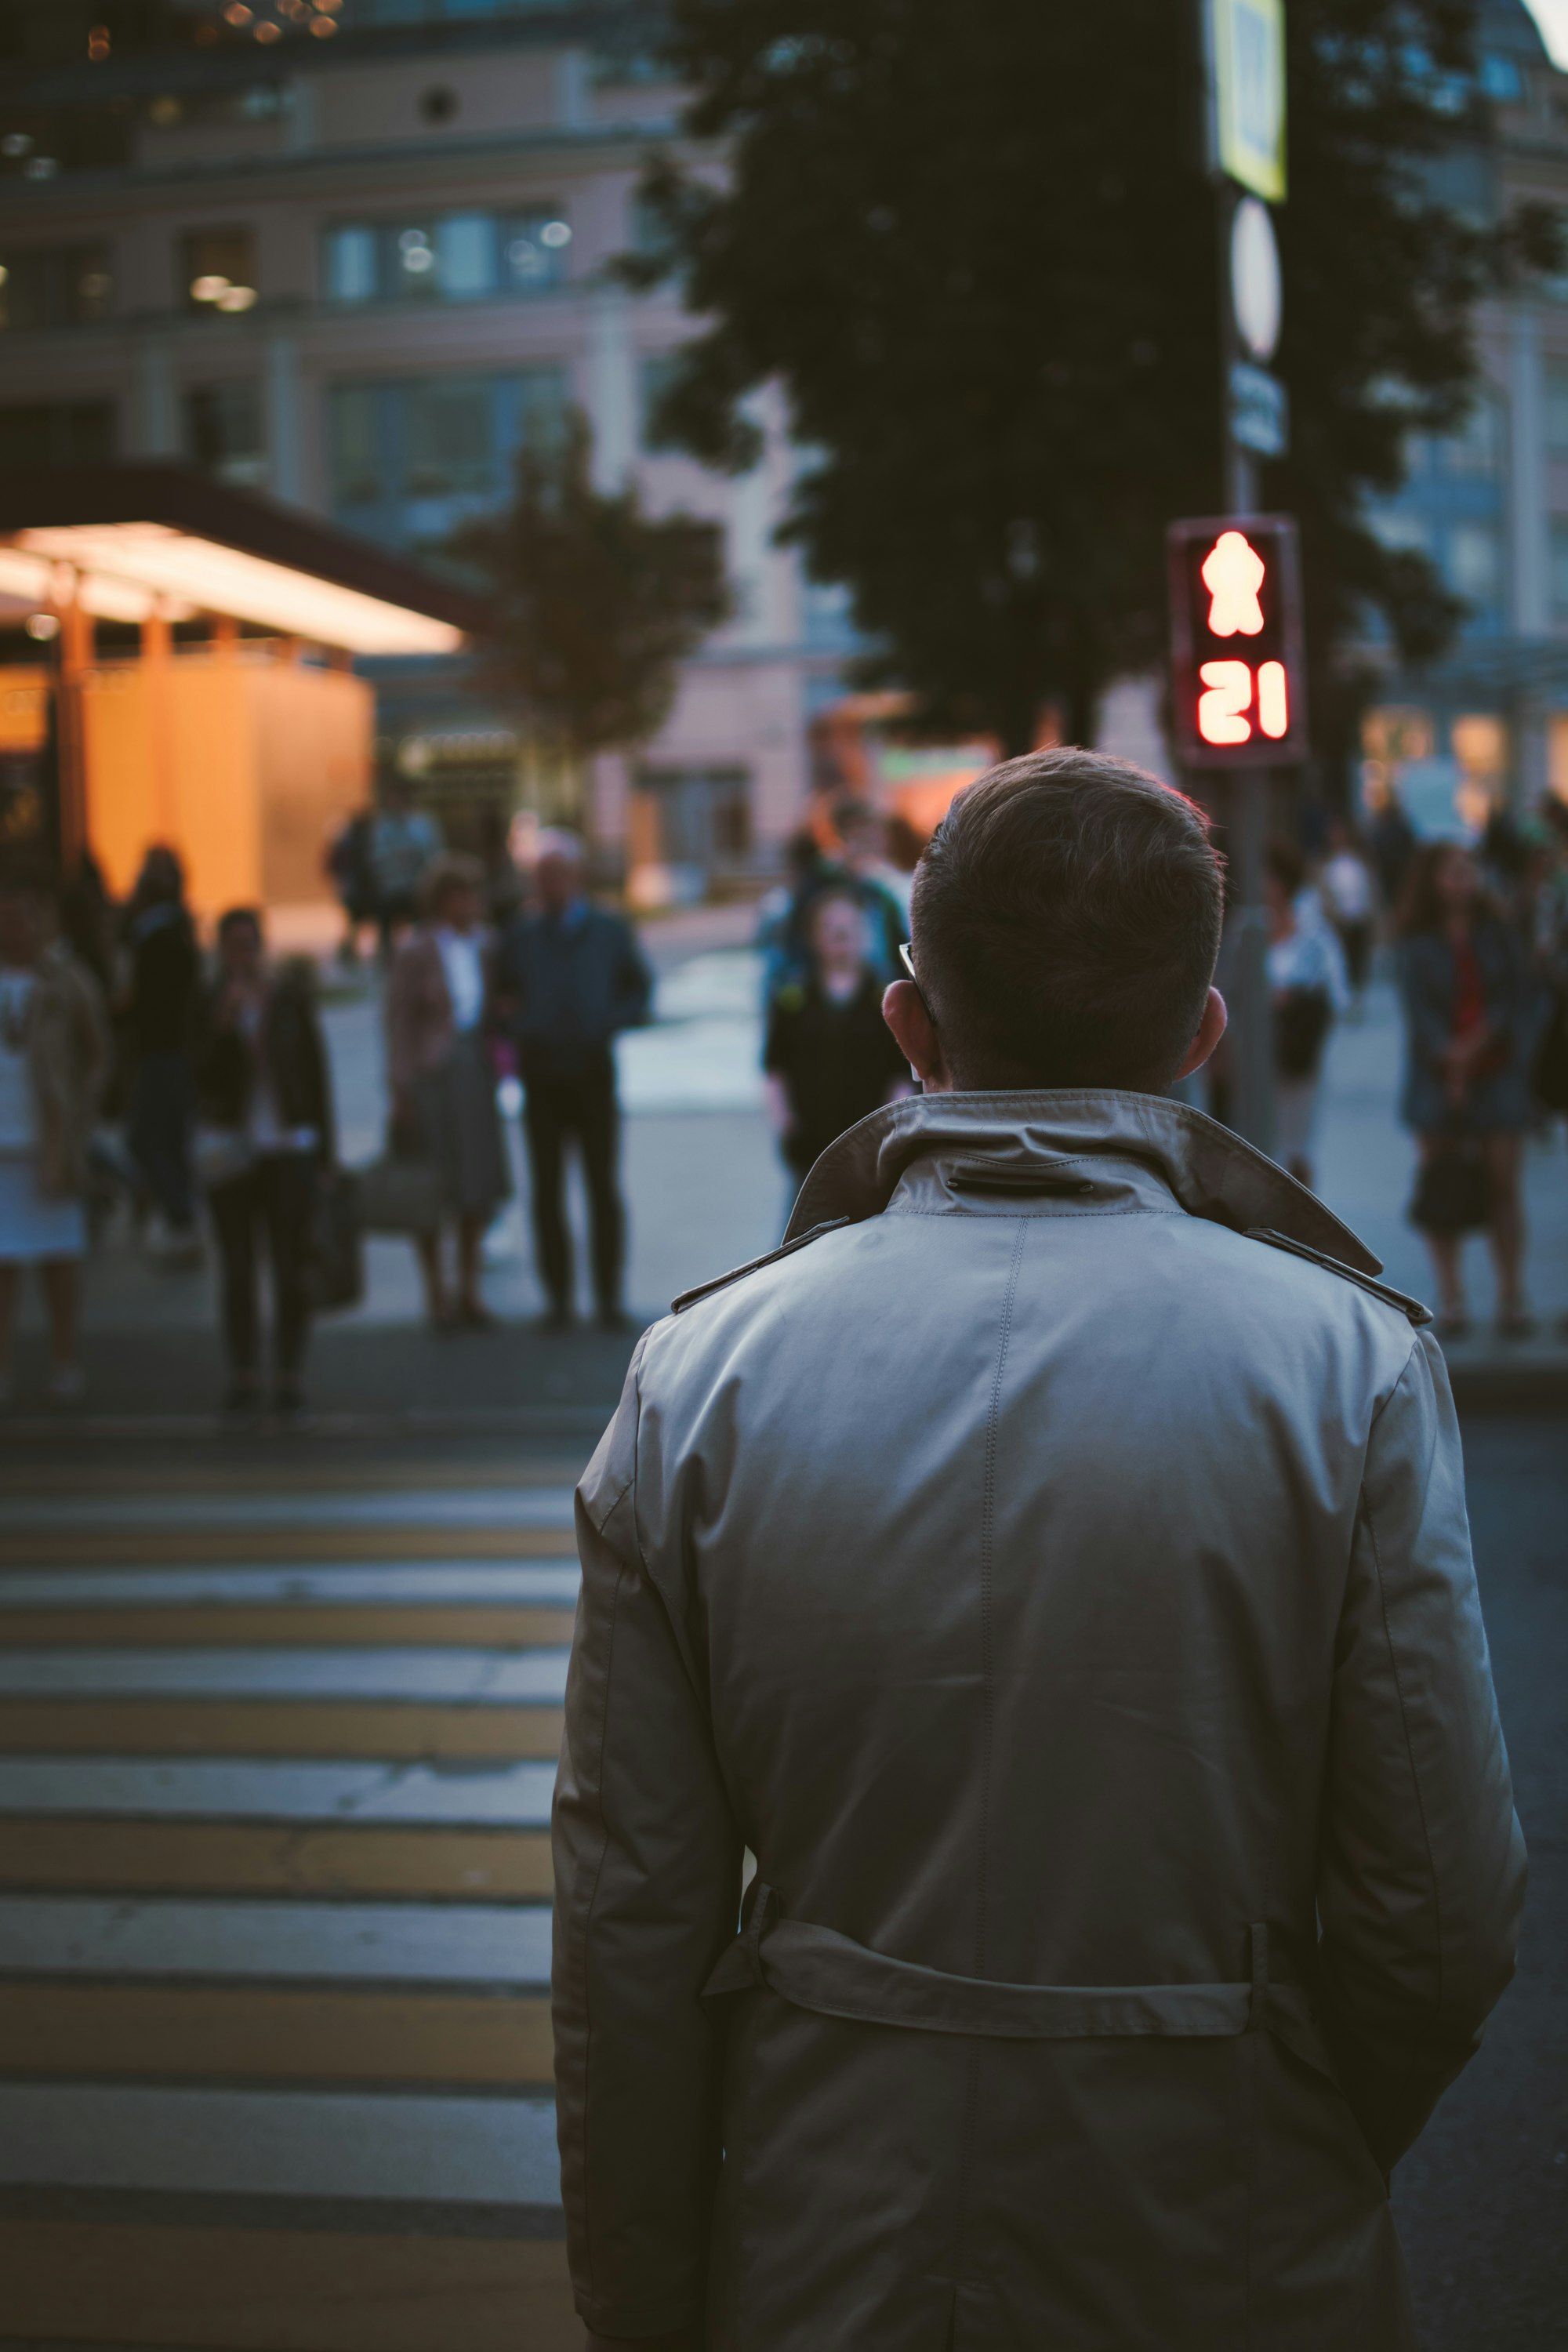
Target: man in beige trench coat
x=1053 y=1564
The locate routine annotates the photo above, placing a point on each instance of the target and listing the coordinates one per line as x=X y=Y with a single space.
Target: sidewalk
x=706 y=1192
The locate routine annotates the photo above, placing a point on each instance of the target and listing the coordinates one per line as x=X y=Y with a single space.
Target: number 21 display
x=1235 y=641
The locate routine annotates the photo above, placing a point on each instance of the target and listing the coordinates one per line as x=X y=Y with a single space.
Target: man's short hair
x=1067 y=923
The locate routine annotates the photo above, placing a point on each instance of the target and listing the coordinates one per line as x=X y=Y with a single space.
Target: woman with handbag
x=443 y=1087
x=1467 y=1033
x=54 y=1058
x=1308 y=989
x=264 y=1148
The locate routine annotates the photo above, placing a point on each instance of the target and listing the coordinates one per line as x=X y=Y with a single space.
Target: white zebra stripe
x=459 y=1583
x=472 y=1677
x=429 y=1506
x=498 y=2151
x=461 y=1943
x=515 y=1796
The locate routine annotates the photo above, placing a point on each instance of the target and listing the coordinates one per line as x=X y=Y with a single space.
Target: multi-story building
x=355 y=253
x=1490 y=502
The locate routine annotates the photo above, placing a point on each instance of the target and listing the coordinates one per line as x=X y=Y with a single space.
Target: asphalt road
x=1483 y=2199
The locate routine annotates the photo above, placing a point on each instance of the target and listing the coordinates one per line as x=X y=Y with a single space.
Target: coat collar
x=1209 y=1172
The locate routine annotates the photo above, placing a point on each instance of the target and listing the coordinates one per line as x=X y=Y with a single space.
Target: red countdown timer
x=1235 y=641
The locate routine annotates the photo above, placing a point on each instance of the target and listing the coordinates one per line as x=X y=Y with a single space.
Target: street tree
x=595 y=603
x=974 y=244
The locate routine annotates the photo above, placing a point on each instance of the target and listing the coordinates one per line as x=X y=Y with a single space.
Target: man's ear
x=1211 y=1029
x=916 y=1036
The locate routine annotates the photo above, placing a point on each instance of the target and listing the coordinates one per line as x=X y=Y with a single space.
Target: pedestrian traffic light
x=1235 y=641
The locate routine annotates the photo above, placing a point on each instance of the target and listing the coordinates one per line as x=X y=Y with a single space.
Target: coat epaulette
x=738 y=1273
x=1418 y=1315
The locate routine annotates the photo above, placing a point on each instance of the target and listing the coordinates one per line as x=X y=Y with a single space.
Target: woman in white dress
x=54 y=1057
x=1307 y=983
x=443 y=1087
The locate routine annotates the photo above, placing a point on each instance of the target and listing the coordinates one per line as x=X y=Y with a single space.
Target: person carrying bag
x=265 y=1094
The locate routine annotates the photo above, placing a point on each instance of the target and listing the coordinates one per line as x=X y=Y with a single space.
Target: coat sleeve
x=648 y=1881
x=1423 y=1868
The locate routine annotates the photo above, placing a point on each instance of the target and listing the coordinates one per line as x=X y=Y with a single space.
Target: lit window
x=217 y=270
x=463 y=257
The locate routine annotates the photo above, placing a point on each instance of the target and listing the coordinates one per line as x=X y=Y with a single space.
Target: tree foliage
x=596 y=604
x=974 y=242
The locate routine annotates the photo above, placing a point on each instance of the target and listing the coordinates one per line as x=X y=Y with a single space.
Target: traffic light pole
x=1252 y=1102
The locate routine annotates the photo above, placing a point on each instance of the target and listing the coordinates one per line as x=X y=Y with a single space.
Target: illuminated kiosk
x=245 y=751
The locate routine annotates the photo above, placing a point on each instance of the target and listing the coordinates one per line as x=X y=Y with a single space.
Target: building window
x=224 y=435
x=448 y=257
x=1557 y=408
x=63 y=433
x=1400 y=530
x=1473 y=449
x=1474 y=565
x=654 y=375
x=218 y=269
x=1560 y=570
x=1500 y=81
x=55 y=286
x=409 y=460
x=698 y=818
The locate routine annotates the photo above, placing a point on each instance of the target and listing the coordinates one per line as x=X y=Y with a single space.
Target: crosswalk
x=276 y=1763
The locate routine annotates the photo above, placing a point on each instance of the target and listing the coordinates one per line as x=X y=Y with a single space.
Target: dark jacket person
x=571 y=977
x=264 y=1091
x=1054 y=1569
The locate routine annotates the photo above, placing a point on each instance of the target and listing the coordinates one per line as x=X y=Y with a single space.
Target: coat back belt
x=818 y=1970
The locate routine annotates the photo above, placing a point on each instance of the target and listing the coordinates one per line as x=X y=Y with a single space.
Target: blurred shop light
x=555 y=233
x=208 y=288
x=237 y=298
x=126 y=566
x=268 y=31
x=43 y=626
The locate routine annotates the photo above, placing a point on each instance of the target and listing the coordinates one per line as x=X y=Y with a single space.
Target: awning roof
x=144 y=537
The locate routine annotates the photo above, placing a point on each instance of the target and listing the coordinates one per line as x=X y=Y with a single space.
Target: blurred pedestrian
x=1053 y=1564
x=883 y=891
x=1468 y=1036
x=571 y=976
x=1549 y=1067
x=783 y=930
x=54 y=1058
x=163 y=997
x=264 y=1088
x=403 y=843
x=830 y=1056
x=1391 y=842
x=1349 y=901
x=443 y=1086
x=1307 y=983
x=350 y=864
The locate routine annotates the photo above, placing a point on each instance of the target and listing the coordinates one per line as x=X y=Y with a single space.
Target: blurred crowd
x=136 y=1068
x=196 y=1087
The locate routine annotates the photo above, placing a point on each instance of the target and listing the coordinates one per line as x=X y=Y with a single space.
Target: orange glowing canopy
x=129 y=541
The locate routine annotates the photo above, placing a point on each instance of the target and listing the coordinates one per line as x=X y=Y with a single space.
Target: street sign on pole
x=1259 y=410
x=1244 y=40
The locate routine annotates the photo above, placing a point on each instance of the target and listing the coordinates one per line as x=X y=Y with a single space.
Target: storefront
x=176 y=665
